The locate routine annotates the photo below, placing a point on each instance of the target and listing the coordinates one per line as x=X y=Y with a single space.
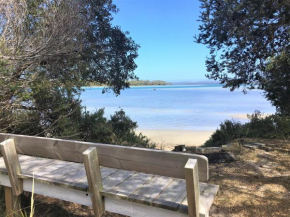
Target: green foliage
x=277 y=82
x=48 y=51
x=269 y=127
x=228 y=131
x=249 y=45
x=119 y=129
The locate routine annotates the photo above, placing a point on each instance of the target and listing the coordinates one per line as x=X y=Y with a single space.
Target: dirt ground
x=256 y=184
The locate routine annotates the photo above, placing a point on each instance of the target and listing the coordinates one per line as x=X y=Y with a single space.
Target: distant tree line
x=137 y=83
x=148 y=83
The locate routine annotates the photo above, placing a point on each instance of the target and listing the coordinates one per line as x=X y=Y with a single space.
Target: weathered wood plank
x=76 y=172
x=83 y=182
x=156 y=162
x=207 y=194
x=130 y=185
x=57 y=170
x=150 y=190
x=12 y=164
x=105 y=171
x=172 y=196
x=55 y=191
x=111 y=204
x=60 y=171
x=23 y=158
x=32 y=164
x=36 y=165
x=45 y=171
x=13 y=203
x=65 y=177
x=116 y=178
x=192 y=187
x=125 y=185
x=94 y=180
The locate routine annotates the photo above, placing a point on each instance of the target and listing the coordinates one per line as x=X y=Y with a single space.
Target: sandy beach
x=167 y=139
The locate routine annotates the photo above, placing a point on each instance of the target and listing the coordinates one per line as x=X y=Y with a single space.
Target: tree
x=277 y=87
x=49 y=49
x=244 y=36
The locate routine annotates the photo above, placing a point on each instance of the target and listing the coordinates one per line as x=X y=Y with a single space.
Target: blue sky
x=164 y=29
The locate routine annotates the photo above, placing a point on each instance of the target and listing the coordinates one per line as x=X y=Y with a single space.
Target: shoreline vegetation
x=135 y=83
x=259 y=125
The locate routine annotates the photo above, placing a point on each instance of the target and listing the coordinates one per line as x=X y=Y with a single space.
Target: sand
x=167 y=139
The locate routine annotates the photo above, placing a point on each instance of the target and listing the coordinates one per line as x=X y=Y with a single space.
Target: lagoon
x=182 y=107
x=178 y=108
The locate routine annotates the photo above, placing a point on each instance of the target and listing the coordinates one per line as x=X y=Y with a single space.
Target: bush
x=81 y=125
x=228 y=131
x=119 y=129
x=274 y=126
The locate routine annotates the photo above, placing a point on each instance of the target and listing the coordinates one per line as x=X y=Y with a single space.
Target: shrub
x=274 y=126
x=82 y=125
x=119 y=129
x=228 y=131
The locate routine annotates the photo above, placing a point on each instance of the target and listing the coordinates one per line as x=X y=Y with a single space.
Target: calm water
x=188 y=107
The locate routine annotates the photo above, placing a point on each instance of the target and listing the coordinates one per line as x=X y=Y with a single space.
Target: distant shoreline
x=163 y=85
x=134 y=83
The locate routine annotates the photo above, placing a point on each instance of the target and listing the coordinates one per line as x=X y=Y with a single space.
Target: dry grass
x=257 y=184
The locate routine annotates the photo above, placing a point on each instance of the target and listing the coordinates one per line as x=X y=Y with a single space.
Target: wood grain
x=172 y=196
x=12 y=165
x=156 y=162
x=94 y=180
x=207 y=195
x=163 y=193
x=150 y=190
x=13 y=203
x=192 y=187
x=130 y=185
x=116 y=178
x=83 y=182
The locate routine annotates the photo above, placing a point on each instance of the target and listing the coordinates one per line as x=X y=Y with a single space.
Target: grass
x=257 y=184
x=241 y=153
x=23 y=212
